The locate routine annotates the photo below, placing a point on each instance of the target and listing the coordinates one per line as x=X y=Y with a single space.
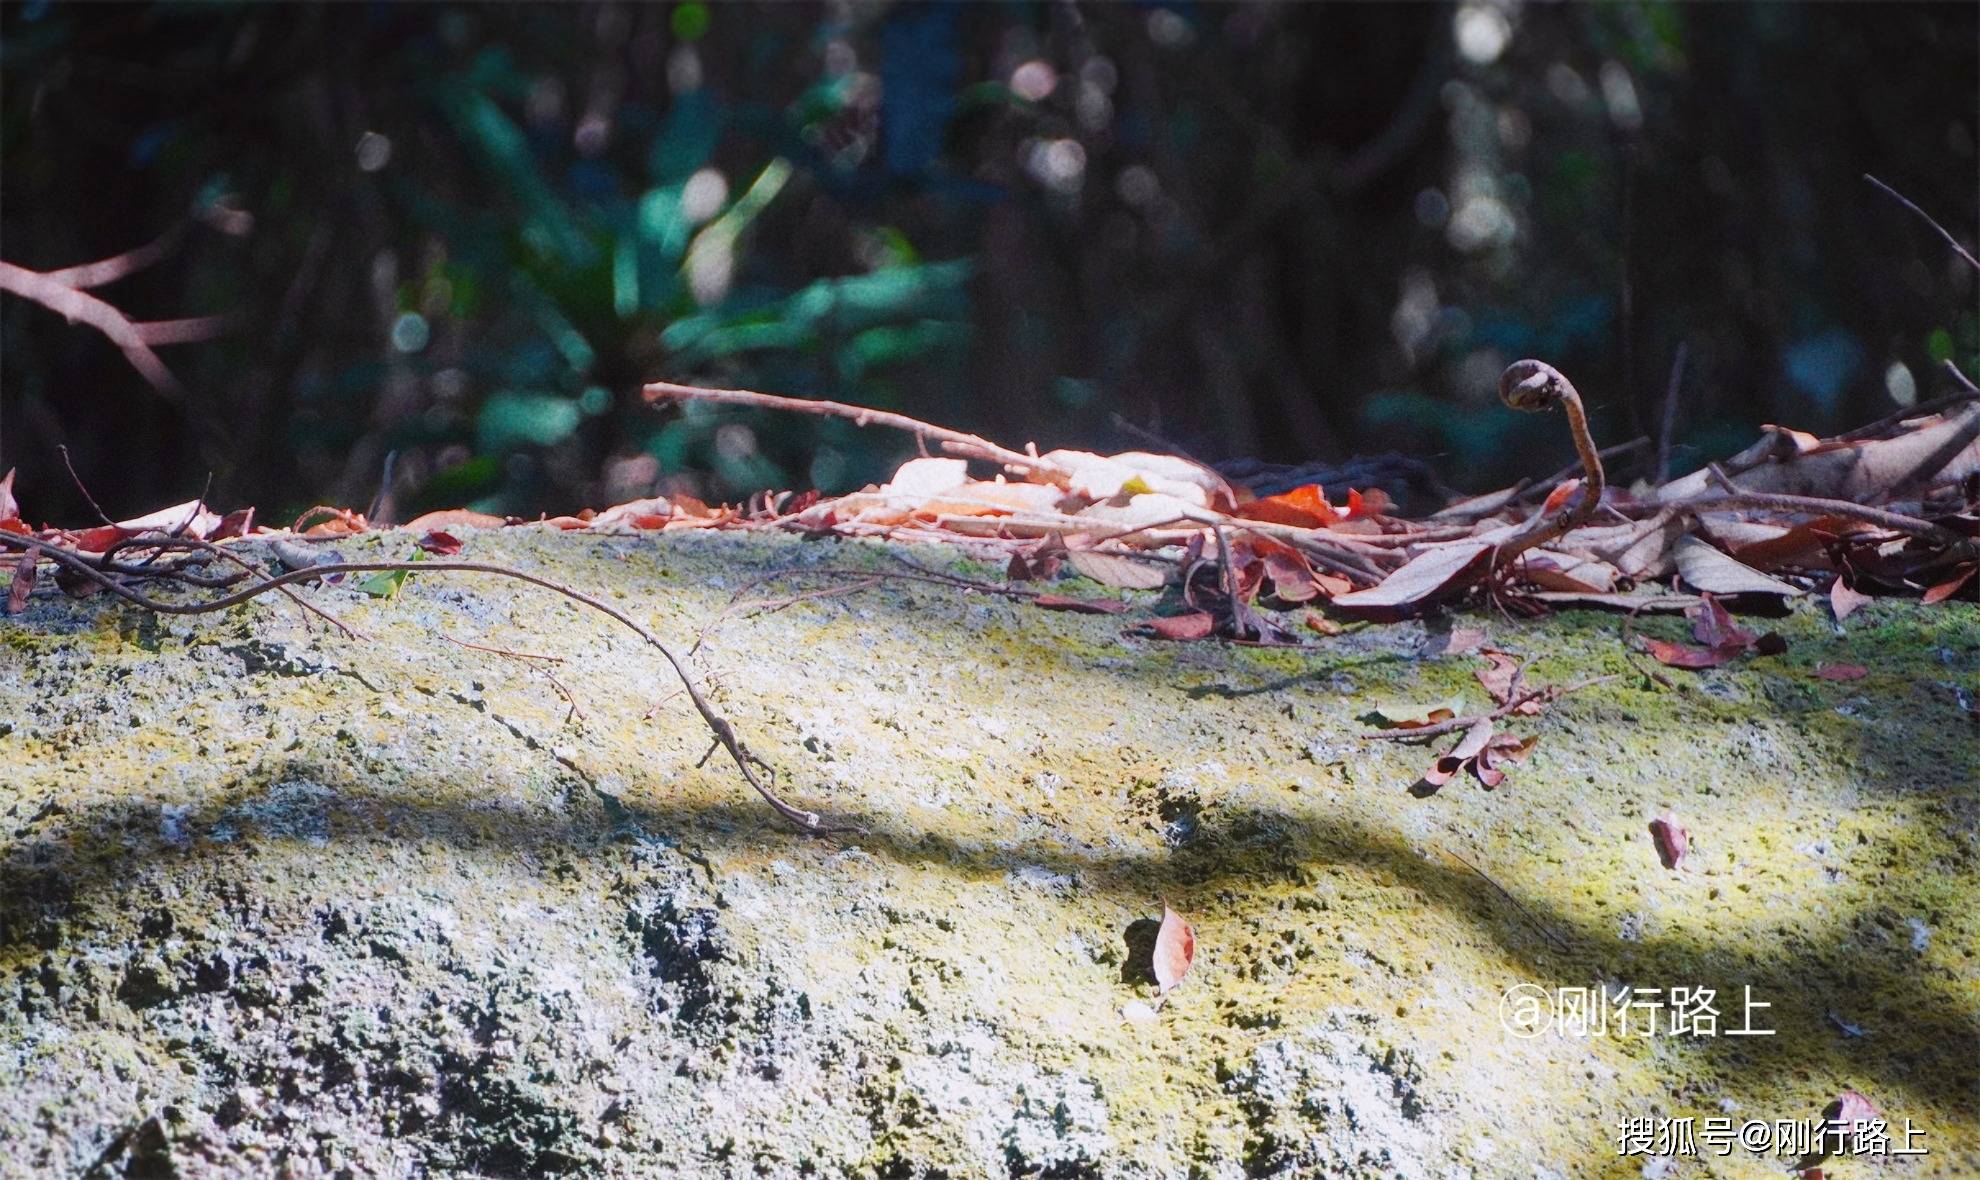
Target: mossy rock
x=277 y=900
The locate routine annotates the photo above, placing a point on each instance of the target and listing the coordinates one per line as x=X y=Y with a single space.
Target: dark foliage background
x=466 y=234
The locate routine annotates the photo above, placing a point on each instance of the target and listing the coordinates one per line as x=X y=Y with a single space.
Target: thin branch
x=1896 y=522
x=1560 y=943
x=74 y=306
x=954 y=441
x=1906 y=202
x=1667 y=428
x=109 y=270
x=63 y=450
x=724 y=733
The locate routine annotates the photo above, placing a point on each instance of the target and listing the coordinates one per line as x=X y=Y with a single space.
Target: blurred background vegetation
x=465 y=234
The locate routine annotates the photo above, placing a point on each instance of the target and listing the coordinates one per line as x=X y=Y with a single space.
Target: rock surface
x=276 y=901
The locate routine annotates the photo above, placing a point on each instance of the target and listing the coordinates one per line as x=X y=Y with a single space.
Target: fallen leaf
x=238 y=523
x=1406 y=716
x=1371 y=503
x=451 y=518
x=1841 y=671
x=440 y=543
x=1303 y=507
x=1709 y=571
x=1194 y=625
x=1292 y=576
x=1671 y=839
x=1469 y=747
x=1558 y=498
x=1713 y=626
x=320 y=521
x=1081 y=606
x=1499 y=675
x=1944 y=449
x=1840 y=1119
x=1679 y=655
x=24 y=573
x=1950 y=586
x=1459 y=641
x=1321 y=623
x=1502 y=749
x=1102 y=477
x=1118 y=571
x=1845 y=600
x=653 y=512
x=919 y=479
x=1424 y=578
x=1175 y=950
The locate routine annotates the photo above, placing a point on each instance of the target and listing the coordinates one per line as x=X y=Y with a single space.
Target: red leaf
x=1559 y=497
x=1712 y=626
x=24 y=570
x=1194 y=625
x=98 y=539
x=1373 y=502
x=1678 y=655
x=1845 y=600
x=1083 y=606
x=1304 y=507
x=15 y=525
x=1671 y=839
x=1175 y=950
x=238 y=523
x=1841 y=671
x=441 y=544
x=1950 y=586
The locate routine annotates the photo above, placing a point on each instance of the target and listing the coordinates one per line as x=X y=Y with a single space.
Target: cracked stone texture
x=278 y=902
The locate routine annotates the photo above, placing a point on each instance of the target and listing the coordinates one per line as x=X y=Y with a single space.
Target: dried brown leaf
x=1709 y=571
x=1941 y=449
x=1175 y=950
x=1841 y=671
x=1679 y=655
x=1194 y=625
x=1428 y=576
x=1469 y=747
x=452 y=518
x=1119 y=571
x=1845 y=600
x=23 y=583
